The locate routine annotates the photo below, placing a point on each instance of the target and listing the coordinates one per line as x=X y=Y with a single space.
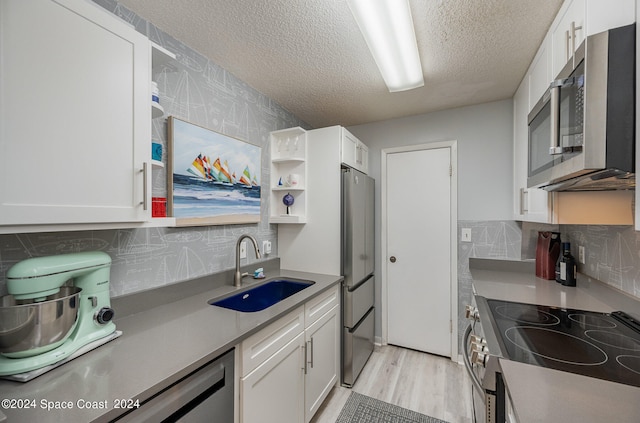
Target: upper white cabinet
x=354 y=152
x=288 y=176
x=580 y=18
x=530 y=204
x=539 y=75
x=74 y=115
x=575 y=20
x=567 y=33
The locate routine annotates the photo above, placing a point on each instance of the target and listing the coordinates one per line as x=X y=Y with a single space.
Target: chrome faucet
x=237 y=278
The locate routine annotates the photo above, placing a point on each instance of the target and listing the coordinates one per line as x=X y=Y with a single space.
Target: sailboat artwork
x=214 y=179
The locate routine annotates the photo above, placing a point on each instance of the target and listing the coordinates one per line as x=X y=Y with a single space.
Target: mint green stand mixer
x=45 y=321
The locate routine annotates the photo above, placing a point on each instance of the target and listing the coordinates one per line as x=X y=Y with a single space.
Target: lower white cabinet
x=274 y=392
x=288 y=368
x=321 y=340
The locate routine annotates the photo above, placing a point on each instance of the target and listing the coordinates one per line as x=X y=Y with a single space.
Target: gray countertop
x=543 y=395
x=159 y=346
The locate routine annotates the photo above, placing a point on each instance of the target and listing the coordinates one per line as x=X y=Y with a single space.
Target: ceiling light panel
x=387 y=28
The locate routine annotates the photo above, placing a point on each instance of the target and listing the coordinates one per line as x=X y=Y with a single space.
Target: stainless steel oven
x=604 y=346
x=490 y=398
x=582 y=131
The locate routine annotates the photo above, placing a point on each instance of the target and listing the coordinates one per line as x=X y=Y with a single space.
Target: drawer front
x=262 y=345
x=320 y=305
x=358 y=302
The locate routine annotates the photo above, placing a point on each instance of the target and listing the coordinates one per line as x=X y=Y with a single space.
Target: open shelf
x=288 y=157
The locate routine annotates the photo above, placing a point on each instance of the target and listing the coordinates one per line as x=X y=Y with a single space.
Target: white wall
x=485 y=153
x=485 y=160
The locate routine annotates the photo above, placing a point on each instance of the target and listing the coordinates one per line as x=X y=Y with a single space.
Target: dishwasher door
x=205 y=395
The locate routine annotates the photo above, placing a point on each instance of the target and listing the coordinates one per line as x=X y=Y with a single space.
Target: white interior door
x=418 y=201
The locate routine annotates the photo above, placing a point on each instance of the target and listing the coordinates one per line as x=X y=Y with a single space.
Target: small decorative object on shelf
x=156 y=151
x=158 y=207
x=288 y=201
x=155 y=93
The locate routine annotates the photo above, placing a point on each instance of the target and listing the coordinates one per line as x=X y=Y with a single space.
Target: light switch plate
x=466 y=235
x=581 y=254
x=243 y=249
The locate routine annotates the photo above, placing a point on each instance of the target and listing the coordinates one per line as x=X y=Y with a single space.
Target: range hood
x=602 y=180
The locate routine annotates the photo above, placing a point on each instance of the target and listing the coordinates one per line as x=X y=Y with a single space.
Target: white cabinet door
x=539 y=75
x=600 y=16
x=75 y=125
x=580 y=18
x=362 y=158
x=322 y=360
x=530 y=204
x=349 y=148
x=520 y=151
x=567 y=33
x=274 y=392
x=354 y=153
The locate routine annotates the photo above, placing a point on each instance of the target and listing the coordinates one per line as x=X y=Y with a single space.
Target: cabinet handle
x=570 y=39
x=144 y=170
x=311 y=362
x=524 y=207
x=305 y=358
x=574 y=28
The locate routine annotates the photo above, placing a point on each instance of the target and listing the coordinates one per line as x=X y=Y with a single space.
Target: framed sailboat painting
x=213 y=179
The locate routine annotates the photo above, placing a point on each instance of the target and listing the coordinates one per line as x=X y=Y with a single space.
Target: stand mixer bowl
x=28 y=328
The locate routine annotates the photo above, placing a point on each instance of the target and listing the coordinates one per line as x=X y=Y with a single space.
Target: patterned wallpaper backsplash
x=199 y=91
x=489 y=239
x=612 y=254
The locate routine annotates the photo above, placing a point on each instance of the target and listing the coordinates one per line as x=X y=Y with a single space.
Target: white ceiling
x=310 y=57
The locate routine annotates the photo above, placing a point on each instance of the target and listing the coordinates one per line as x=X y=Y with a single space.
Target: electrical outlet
x=243 y=249
x=581 y=254
x=266 y=247
x=466 y=235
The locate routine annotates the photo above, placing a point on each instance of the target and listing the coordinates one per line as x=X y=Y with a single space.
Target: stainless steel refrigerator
x=357 y=268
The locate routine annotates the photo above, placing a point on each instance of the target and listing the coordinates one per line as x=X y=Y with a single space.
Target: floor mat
x=363 y=409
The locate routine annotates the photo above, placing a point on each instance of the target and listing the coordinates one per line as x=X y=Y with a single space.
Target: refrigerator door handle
x=352 y=288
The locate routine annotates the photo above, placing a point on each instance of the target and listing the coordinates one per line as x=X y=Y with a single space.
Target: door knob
x=392 y=259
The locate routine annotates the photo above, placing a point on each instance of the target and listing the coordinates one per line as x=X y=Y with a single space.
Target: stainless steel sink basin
x=262 y=296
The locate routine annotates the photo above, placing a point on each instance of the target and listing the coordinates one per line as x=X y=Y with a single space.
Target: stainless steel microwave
x=582 y=131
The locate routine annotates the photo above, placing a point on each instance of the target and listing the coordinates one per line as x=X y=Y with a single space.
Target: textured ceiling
x=310 y=57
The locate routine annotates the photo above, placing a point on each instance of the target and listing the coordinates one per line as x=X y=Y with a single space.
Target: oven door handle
x=467 y=363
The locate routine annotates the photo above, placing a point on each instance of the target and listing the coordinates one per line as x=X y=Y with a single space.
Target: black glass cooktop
x=600 y=345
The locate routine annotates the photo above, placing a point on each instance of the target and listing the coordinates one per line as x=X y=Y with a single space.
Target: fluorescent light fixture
x=388 y=30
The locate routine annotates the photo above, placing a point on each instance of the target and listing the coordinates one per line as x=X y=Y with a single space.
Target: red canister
x=547 y=252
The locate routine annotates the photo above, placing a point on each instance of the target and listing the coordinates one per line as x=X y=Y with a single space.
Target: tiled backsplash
x=197 y=90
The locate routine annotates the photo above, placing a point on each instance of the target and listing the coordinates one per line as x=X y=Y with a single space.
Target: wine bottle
x=567 y=266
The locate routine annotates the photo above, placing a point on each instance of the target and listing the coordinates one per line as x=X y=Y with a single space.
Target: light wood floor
x=428 y=384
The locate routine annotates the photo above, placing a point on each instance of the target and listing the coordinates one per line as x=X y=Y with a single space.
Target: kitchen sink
x=262 y=296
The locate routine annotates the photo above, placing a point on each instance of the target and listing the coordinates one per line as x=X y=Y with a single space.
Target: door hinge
x=450 y=326
x=450 y=170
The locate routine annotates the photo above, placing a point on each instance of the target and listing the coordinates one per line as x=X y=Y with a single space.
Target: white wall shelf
x=288 y=157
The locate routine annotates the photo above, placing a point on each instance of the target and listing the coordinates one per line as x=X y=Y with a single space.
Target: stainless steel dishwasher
x=206 y=395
